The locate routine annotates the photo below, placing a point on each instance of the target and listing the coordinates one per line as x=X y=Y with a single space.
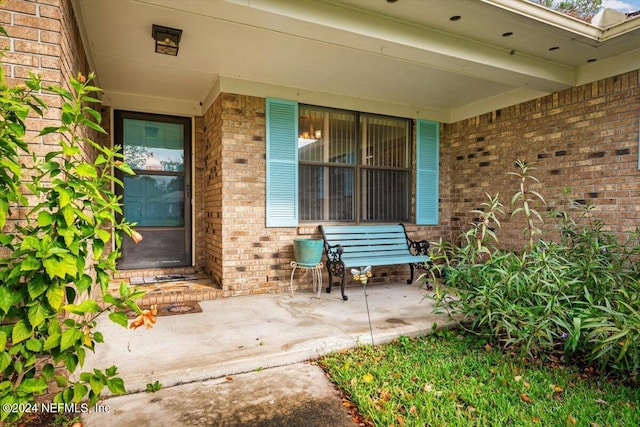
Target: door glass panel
x=153 y=145
x=154 y=200
x=157 y=197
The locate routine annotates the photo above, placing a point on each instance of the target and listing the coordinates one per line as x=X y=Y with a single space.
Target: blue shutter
x=282 y=163
x=427 y=160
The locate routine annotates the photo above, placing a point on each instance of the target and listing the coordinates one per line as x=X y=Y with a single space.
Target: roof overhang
x=406 y=58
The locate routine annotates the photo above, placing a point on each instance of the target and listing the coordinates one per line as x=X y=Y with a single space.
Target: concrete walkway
x=242 y=360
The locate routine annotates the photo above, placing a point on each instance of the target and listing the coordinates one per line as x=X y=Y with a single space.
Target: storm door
x=158 y=196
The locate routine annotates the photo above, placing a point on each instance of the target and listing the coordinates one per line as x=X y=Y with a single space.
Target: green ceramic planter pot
x=307 y=252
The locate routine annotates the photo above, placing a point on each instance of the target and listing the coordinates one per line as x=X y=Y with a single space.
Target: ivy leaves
x=48 y=303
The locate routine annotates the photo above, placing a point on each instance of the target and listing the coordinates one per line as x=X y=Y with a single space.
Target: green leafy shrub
x=579 y=295
x=55 y=265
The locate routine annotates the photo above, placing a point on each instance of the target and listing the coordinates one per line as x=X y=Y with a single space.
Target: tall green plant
x=481 y=237
x=56 y=266
x=478 y=243
x=580 y=296
x=562 y=214
x=526 y=200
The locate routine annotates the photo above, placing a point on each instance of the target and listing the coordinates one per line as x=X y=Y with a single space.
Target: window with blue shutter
x=282 y=163
x=427 y=161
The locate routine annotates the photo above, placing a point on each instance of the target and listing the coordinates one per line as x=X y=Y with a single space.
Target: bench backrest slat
x=368 y=248
x=360 y=229
x=358 y=241
x=351 y=255
x=352 y=241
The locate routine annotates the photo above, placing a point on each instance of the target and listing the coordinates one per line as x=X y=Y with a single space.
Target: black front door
x=158 y=196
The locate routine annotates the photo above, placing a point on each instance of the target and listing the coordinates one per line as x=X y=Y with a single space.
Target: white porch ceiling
x=405 y=57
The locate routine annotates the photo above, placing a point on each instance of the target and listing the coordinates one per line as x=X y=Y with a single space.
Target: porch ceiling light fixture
x=167 y=39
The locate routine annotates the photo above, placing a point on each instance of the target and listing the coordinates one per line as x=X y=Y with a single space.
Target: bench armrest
x=418 y=247
x=334 y=252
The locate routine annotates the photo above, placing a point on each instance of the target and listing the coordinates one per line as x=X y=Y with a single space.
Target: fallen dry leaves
x=356 y=416
x=525 y=398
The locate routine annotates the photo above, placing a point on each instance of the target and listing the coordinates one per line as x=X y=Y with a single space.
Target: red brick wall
x=33 y=46
x=211 y=148
x=43 y=40
x=34 y=39
x=73 y=58
x=585 y=137
x=242 y=254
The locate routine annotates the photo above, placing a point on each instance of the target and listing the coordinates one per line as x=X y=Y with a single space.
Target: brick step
x=151 y=272
x=170 y=288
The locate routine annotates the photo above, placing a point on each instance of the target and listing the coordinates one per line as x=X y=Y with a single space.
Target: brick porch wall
x=243 y=255
x=211 y=148
x=44 y=40
x=585 y=137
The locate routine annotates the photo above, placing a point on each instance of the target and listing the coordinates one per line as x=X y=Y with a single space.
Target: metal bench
x=349 y=246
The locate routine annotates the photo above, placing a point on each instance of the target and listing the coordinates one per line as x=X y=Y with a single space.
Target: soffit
x=408 y=53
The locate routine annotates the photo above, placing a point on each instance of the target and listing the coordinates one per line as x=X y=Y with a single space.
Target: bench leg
x=336 y=269
x=410 y=281
x=344 y=297
x=330 y=278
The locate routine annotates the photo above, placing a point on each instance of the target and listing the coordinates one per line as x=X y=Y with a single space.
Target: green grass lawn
x=448 y=379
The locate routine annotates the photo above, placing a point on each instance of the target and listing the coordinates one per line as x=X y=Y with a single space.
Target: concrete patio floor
x=241 y=361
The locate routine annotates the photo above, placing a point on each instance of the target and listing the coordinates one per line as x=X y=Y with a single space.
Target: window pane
x=326 y=193
x=326 y=136
x=341 y=194
x=376 y=149
x=154 y=201
x=385 y=195
x=311 y=192
x=386 y=141
x=153 y=145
